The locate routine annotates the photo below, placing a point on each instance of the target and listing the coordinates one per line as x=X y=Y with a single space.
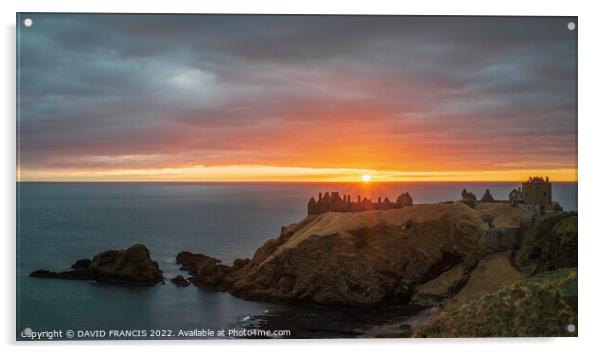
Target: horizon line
x=287 y=182
x=281 y=174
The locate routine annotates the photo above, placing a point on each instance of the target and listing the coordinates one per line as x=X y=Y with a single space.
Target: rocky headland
x=478 y=268
x=453 y=256
x=363 y=258
x=132 y=266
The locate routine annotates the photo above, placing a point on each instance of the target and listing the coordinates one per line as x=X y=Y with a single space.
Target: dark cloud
x=213 y=89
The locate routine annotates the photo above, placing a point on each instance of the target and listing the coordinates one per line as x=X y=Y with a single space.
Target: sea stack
x=132 y=266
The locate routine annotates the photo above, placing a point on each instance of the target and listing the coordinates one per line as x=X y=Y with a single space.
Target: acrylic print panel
x=255 y=176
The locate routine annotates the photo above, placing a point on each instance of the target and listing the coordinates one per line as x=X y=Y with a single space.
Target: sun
x=366 y=178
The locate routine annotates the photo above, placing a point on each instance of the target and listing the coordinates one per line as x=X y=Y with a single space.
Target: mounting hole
x=571 y=328
x=28 y=22
x=571 y=26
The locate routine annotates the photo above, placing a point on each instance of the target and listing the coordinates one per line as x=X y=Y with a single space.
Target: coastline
x=312 y=321
x=344 y=255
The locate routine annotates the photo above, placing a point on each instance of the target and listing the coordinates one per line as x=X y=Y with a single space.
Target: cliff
x=363 y=258
x=550 y=244
x=498 y=300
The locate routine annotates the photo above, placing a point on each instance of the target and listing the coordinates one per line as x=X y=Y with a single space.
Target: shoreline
x=400 y=328
x=312 y=321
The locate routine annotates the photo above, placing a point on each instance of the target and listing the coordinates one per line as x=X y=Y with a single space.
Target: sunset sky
x=295 y=98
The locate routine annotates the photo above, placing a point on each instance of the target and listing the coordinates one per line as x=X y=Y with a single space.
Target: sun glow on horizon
x=262 y=173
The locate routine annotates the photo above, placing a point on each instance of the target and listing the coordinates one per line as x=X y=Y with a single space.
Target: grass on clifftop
x=501 y=215
x=543 y=305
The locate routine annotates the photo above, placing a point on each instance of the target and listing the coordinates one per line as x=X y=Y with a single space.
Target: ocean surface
x=58 y=223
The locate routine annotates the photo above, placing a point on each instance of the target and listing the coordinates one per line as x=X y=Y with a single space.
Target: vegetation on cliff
x=492 y=273
x=543 y=305
x=550 y=243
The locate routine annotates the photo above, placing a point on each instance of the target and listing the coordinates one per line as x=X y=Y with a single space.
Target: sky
x=295 y=98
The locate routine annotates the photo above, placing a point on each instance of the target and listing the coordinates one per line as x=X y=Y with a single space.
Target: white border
x=590 y=198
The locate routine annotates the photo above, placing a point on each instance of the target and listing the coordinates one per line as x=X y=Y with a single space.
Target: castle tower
x=537 y=191
x=312 y=207
x=336 y=203
x=404 y=200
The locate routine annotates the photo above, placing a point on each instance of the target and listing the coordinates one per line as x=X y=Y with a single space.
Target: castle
x=334 y=202
x=536 y=191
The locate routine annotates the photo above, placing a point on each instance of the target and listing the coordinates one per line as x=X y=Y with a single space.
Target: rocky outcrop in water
x=180 y=281
x=132 y=266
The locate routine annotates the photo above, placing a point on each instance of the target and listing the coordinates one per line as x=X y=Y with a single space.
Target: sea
x=58 y=223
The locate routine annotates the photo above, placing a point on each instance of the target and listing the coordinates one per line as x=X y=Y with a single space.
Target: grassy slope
x=502 y=214
x=492 y=273
x=543 y=305
x=456 y=286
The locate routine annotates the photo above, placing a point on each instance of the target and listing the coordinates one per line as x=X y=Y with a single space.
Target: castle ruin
x=487 y=197
x=536 y=191
x=334 y=202
x=470 y=198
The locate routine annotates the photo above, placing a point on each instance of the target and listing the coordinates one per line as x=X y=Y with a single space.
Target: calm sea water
x=58 y=223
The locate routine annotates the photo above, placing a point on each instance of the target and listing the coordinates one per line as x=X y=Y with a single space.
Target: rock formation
x=81 y=264
x=180 y=281
x=355 y=258
x=132 y=266
x=195 y=264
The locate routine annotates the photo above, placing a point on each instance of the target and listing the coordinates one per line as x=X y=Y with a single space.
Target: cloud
x=417 y=93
